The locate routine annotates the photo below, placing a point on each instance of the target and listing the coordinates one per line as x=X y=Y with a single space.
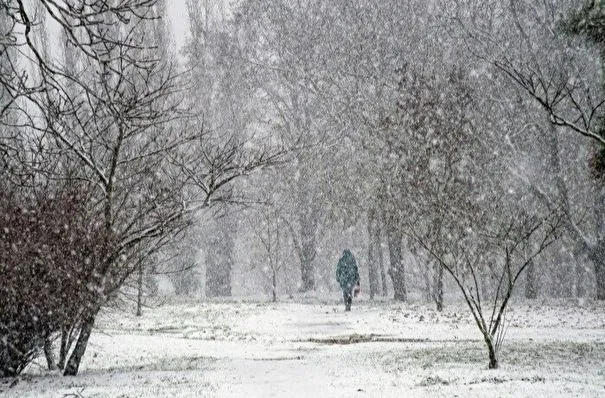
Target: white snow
x=247 y=349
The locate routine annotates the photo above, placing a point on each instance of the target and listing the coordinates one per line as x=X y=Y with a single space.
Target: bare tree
x=526 y=42
x=278 y=62
x=269 y=230
x=503 y=255
x=115 y=114
x=427 y=143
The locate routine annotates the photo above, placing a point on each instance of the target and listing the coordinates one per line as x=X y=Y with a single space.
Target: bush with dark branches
x=47 y=248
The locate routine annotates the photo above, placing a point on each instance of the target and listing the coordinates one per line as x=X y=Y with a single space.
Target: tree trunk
x=64 y=348
x=428 y=283
x=275 y=266
x=274 y=286
x=219 y=258
x=491 y=350
x=493 y=360
x=308 y=253
x=383 y=275
x=308 y=216
x=597 y=256
x=140 y=290
x=439 y=287
x=218 y=278
x=580 y=289
x=49 y=354
x=396 y=269
x=531 y=287
x=78 y=353
x=596 y=252
x=373 y=272
x=304 y=245
x=307 y=274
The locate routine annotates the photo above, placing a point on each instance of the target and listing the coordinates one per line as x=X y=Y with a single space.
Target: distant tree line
x=460 y=140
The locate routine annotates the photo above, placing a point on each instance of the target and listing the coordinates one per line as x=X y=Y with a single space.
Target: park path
x=291 y=362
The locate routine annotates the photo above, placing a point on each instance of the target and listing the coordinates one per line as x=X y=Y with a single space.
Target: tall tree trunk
x=383 y=275
x=373 y=272
x=219 y=257
x=65 y=345
x=140 y=290
x=308 y=216
x=308 y=223
x=598 y=251
x=371 y=263
x=305 y=251
x=274 y=286
x=307 y=267
x=396 y=269
x=438 y=295
x=595 y=251
x=71 y=369
x=275 y=263
x=580 y=289
x=49 y=354
x=597 y=256
x=531 y=287
x=428 y=282
x=218 y=278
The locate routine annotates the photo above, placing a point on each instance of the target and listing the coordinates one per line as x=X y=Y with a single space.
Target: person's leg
x=348 y=300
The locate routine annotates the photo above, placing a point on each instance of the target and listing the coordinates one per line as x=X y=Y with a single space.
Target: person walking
x=347 y=276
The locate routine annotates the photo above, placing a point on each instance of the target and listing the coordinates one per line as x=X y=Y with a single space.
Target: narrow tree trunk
x=274 y=286
x=396 y=269
x=580 y=290
x=71 y=369
x=49 y=354
x=304 y=244
x=308 y=251
x=276 y=264
x=598 y=252
x=64 y=348
x=491 y=350
x=439 y=287
x=140 y=291
x=597 y=256
x=373 y=274
x=531 y=288
x=308 y=221
x=428 y=283
x=219 y=259
x=383 y=275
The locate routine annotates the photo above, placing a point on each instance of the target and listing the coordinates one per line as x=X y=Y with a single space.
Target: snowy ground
x=244 y=349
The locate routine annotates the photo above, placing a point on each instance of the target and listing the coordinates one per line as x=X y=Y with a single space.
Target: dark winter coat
x=347 y=273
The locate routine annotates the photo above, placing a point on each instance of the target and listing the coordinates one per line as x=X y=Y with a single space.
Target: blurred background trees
x=408 y=133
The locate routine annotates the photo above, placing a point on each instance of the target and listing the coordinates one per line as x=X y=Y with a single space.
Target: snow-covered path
x=316 y=350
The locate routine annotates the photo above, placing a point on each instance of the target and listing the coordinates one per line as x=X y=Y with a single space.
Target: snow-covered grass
x=188 y=348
